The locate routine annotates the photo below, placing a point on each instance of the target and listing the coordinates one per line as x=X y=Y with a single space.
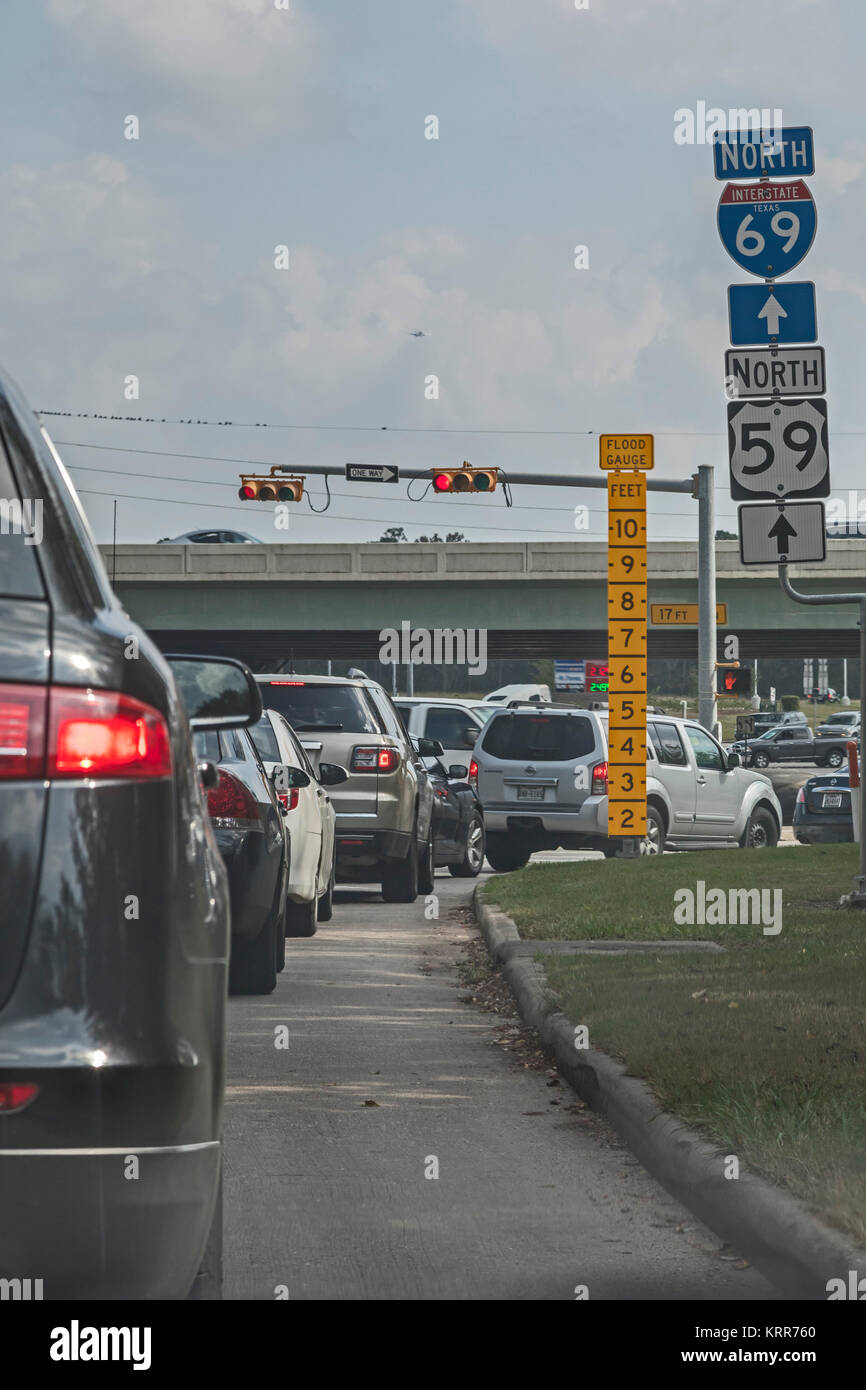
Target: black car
x=458 y=820
x=823 y=812
x=248 y=822
x=114 y=925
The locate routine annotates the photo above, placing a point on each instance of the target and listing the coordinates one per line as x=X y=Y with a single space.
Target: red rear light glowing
x=473 y=775
x=14 y=1095
x=375 y=760
x=290 y=798
x=599 y=779
x=230 y=800
x=90 y=733
x=287 y=682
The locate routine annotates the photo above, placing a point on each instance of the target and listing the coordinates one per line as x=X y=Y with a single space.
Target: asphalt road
x=326 y=1195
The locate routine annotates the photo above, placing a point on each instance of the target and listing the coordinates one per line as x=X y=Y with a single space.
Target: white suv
x=541 y=776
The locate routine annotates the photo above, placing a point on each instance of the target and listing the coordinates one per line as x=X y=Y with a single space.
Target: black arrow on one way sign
x=784 y=532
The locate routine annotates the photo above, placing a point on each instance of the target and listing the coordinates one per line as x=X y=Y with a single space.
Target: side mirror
x=733 y=760
x=470 y=735
x=457 y=772
x=218 y=693
x=208 y=775
x=430 y=748
x=287 y=779
x=332 y=774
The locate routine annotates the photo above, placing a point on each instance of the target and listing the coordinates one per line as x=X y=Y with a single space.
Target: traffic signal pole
x=699 y=486
x=857 y=898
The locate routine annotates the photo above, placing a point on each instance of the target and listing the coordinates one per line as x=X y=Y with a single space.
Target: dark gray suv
x=114 y=925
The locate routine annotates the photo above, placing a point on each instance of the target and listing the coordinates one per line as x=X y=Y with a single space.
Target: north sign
x=778 y=449
x=767 y=227
x=766 y=316
x=747 y=154
x=793 y=534
x=774 y=372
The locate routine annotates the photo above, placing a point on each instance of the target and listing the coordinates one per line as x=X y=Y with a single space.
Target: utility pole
x=704 y=491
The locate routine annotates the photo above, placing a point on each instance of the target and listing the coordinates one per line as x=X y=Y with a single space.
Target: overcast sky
x=305 y=127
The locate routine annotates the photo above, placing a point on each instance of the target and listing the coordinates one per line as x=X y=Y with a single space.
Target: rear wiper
x=328 y=728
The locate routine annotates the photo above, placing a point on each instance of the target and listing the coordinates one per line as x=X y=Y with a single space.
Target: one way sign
x=371 y=473
x=793 y=534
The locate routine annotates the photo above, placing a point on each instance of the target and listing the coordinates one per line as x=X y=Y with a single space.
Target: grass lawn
x=761 y=1047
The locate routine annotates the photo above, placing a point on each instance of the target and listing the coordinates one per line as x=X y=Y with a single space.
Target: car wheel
x=761 y=831
x=326 y=901
x=253 y=964
x=473 y=853
x=301 y=918
x=426 y=866
x=834 y=759
x=400 y=881
x=505 y=853
x=760 y=760
x=654 y=840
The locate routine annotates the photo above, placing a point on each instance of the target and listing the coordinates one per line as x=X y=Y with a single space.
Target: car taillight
x=473 y=775
x=599 y=780
x=375 y=760
x=231 y=800
x=290 y=798
x=801 y=796
x=90 y=733
x=14 y=1095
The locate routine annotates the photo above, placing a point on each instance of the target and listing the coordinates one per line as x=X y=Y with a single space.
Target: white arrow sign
x=773 y=313
x=371 y=473
x=794 y=533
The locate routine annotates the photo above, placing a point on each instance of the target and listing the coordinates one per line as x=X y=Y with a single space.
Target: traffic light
x=735 y=680
x=270 y=489
x=464 y=479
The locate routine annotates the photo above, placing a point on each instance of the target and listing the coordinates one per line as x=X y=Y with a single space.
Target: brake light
x=473 y=775
x=801 y=796
x=599 y=780
x=231 y=800
x=90 y=733
x=375 y=760
x=22 y=731
x=290 y=798
x=14 y=1095
x=287 y=682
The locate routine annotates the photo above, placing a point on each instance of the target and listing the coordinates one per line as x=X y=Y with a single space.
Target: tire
x=426 y=866
x=654 y=840
x=326 y=901
x=473 y=855
x=400 y=880
x=760 y=760
x=301 y=918
x=253 y=965
x=761 y=831
x=505 y=854
x=834 y=759
x=208 y=1282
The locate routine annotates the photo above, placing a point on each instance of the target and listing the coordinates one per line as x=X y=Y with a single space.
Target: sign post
x=622 y=456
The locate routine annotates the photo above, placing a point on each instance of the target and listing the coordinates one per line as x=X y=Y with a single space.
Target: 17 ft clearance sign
x=626 y=629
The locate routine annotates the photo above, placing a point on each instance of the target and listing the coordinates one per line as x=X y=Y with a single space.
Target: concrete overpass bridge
x=535 y=599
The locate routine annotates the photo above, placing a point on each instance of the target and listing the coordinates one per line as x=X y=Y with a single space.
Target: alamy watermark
x=701 y=125
x=438 y=646
x=19 y=518
x=719 y=907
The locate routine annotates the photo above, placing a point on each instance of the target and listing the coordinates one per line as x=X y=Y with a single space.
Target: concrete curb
x=774 y=1230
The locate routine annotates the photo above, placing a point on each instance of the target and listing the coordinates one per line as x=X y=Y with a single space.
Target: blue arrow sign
x=746 y=154
x=781 y=314
x=767 y=227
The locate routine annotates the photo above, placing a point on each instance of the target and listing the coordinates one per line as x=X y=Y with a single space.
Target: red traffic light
x=442 y=482
x=269 y=489
x=465 y=479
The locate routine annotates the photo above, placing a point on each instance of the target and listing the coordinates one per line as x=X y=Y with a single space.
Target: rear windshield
x=265 y=739
x=543 y=737
x=341 y=708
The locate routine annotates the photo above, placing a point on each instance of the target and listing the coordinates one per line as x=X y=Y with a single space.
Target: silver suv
x=384 y=809
x=541 y=776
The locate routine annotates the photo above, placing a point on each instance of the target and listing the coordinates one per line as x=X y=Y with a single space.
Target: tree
x=394 y=533
x=726 y=536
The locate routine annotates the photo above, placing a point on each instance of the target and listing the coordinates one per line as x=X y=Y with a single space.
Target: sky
x=302 y=124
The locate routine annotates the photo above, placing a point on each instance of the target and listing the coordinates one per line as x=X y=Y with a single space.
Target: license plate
x=530 y=793
x=832 y=799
